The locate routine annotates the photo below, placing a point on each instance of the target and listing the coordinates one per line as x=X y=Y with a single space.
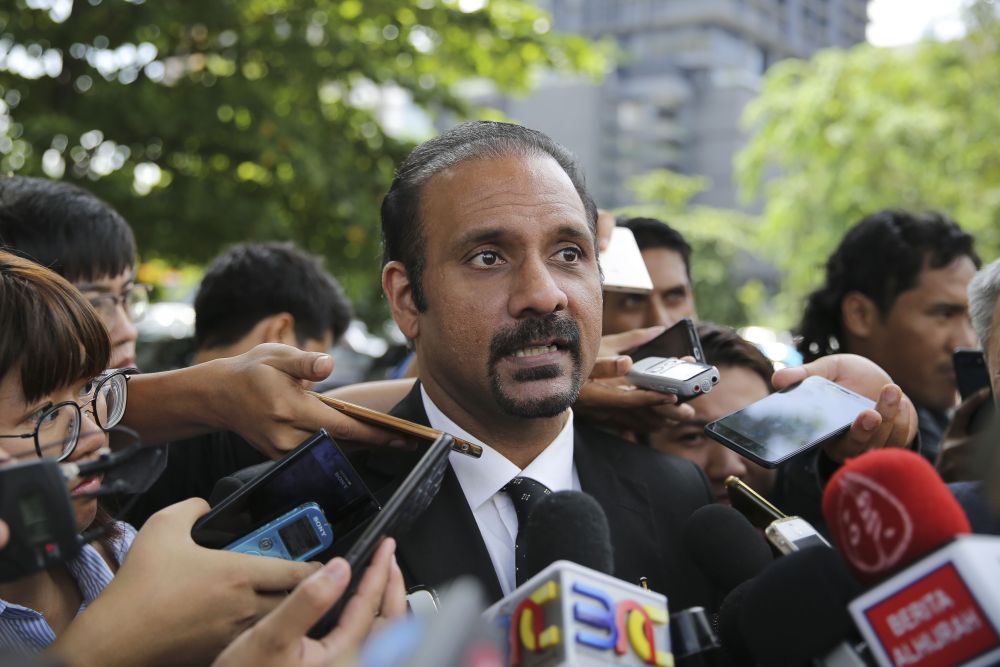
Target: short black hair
x=653 y=233
x=252 y=281
x=881 y=257
x=64 y=228
x=724 y=348
x=402 y=238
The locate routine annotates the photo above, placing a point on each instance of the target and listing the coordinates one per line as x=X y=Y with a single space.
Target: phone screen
x=680 y=340
x=788 y=422
x=316 y=471
x=970 y=371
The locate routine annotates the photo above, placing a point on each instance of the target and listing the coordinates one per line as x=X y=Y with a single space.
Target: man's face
x=915 y=341
x=513 y=318
x=738 y=387
x=669 y=302
x=106 y=295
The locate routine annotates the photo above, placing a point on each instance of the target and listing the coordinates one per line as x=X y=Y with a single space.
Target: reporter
x=174 y=602
x=51 y=347
x=279 y=639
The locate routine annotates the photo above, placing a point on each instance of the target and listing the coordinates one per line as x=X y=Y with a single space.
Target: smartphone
x=408 y=502
x=298 y=534
x=622 y=264
x=970 y=371
x=680 y=340
x=789 y=422
x=757 y=509
x=674 y=376
x=316 y=471
x=376 y=418
x=793 y=533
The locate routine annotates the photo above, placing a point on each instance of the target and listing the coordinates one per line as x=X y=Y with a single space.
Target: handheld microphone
x=886 y=508
x=725 y=545
x=796 y=609
x=567 y=525
x=693 y=640
x=576 y=613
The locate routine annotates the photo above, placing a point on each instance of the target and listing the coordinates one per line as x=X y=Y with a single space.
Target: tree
x=211 y=123
x=851 y=132
x=729 y=284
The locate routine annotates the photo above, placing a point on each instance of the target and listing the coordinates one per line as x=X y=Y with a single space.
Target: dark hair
x=64 y=228
x=251 y=281
x=724 y=347
x=50 y=335
x=478 y=140
x=653 y=233
x=880 y=257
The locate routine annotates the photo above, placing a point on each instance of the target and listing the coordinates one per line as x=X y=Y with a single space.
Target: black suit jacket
x=646 y=495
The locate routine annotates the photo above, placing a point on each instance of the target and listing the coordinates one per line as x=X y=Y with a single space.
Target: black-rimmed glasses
x=58 y=428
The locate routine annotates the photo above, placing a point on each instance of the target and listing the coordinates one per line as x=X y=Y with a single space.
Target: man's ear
x=859 y=314
x=279 y=328
x=399 y=292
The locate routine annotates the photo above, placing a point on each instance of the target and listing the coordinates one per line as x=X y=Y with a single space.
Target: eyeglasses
x=58 y=427
x=134 y=299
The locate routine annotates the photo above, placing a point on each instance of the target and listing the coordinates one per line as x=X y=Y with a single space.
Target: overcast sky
x=896 y=22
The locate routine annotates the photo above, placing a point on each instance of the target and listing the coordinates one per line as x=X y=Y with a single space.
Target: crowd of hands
x=175 y=602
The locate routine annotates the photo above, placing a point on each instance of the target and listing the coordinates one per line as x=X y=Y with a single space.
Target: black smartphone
x=316 y=471
x=970 y=371
x=680 y=340
x=790 y=421
x=408 y=502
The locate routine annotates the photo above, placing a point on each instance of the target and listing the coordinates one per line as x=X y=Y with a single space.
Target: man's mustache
x=560 y=329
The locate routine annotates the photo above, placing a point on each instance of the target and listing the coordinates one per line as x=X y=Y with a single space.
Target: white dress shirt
x=481 y=480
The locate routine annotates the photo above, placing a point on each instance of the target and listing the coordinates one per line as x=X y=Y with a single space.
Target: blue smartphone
x=296 y=535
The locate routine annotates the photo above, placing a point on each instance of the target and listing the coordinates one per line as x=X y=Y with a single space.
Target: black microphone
x=567 y=525
x=726 y=547
x=727 y=623
x=796 y=609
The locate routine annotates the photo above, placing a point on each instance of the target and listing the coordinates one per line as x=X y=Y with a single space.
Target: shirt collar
x=483 y=478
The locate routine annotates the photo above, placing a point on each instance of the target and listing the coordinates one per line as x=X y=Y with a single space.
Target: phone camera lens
x=266 y=543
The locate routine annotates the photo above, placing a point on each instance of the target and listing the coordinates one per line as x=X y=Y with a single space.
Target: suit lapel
x=444 y=541
x=626 y=504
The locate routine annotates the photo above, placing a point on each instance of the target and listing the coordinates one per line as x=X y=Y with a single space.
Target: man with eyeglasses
x=72 y=232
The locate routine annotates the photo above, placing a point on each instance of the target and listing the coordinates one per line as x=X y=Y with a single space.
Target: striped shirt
x=24 y=630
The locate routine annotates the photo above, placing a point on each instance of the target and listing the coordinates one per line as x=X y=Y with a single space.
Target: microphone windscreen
x=796 y=609
x=887 y=508
x=725 y=545
x=728 y=623
x=567 y=525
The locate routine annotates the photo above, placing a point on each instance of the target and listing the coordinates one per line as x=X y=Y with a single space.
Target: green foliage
x=207 y=123
x=851 y=132
x=722 y=242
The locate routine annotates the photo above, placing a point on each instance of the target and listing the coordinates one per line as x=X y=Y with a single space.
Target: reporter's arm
x=279 y=639
x=258 y=394
x=173 y=602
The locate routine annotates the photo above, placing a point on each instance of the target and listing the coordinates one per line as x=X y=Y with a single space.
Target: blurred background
x=761 y=129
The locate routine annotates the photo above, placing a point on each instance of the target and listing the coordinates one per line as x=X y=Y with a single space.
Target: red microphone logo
x=877 y=529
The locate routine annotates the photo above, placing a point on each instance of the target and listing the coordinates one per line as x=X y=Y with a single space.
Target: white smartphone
x=622 y=264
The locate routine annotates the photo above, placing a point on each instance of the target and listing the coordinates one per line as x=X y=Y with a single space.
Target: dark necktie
x=525 y=493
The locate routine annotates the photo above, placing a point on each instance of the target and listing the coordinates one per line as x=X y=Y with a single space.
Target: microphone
x=693 y=640
x=886 y=508
x=567 y=525
x=725 y=545
x=575 y=613
x=796 y=609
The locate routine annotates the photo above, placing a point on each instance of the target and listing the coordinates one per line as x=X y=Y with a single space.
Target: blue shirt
x=24 y=630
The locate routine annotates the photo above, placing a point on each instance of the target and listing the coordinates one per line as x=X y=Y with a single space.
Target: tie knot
x=525 y=494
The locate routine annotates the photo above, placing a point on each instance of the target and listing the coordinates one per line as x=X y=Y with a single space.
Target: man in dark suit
x=491 y=271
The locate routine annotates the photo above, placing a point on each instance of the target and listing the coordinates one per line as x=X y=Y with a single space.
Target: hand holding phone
x=789 y=422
